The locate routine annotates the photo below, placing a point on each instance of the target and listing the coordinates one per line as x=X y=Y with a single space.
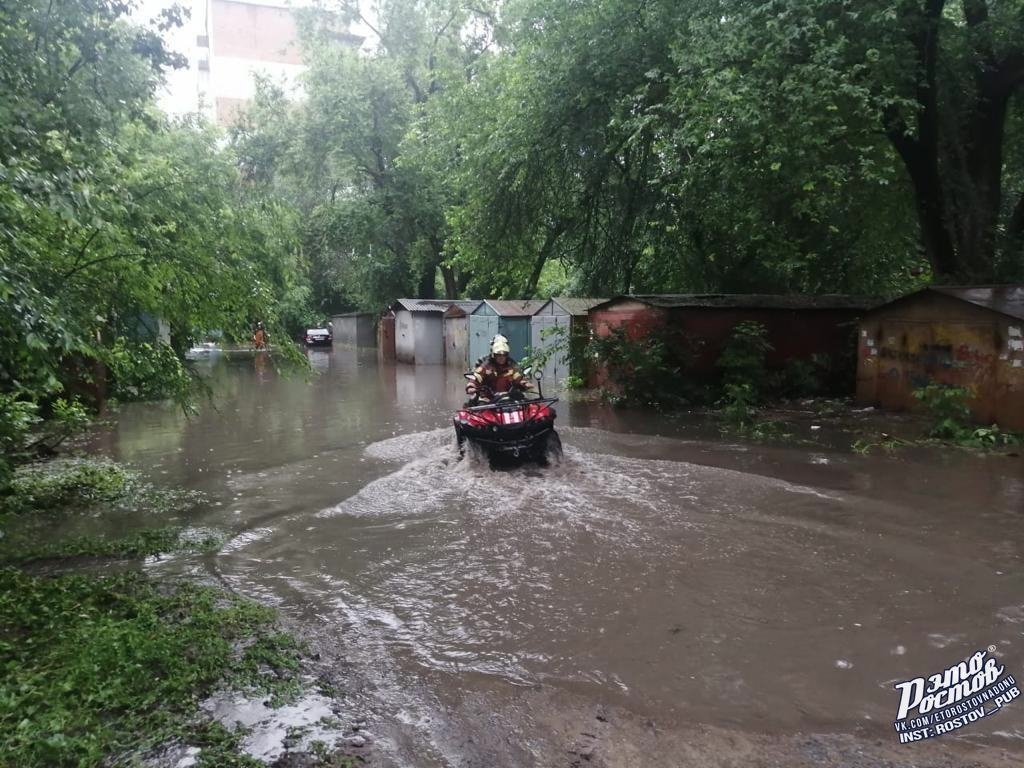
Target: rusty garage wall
x=931 y=337
x=386 y=338
x=798 y=328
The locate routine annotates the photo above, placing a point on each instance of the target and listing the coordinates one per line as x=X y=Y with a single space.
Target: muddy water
x=662 y=592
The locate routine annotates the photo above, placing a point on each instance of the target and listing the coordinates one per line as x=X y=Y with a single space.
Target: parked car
x=319 y=337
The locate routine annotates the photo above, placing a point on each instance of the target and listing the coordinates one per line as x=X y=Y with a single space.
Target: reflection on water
x=688 y=579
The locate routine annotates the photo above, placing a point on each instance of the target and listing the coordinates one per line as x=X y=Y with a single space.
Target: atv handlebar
x=505 y=402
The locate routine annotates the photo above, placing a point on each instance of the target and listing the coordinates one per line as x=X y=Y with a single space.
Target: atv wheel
x=550 y=450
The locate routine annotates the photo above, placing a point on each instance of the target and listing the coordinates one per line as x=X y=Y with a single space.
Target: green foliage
x=17 y=419
x=738 y=409
x=113 y=218
x=97 y=668
x=993 y=437
x=373 y=216
x=888 y=444
x=144 y=371
x=556 y=344
x=574 y=382
x=24 y=434
x=738 y=404
x=802 y=378
x=68 y=484
x=84 y=484
x=742 y=361
x=948 y=410
x=643 y=372
x=139 y=544
x=608 y=146
x=951 y=422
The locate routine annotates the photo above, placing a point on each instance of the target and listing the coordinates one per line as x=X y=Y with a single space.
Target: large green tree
x=743 y=145
x=938 y=80
x=374 y=223
x=112 y=217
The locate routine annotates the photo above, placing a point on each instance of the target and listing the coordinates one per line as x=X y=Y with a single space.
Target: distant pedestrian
x=260 y=338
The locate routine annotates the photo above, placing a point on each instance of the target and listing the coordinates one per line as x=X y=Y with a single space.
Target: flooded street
x=663 y=597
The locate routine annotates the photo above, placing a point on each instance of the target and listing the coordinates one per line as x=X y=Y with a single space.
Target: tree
x=937 y=79
x=110 y=215
x=375 y=224
x=550 y=170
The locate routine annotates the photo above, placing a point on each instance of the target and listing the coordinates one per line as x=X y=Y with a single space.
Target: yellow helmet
x=499 y=345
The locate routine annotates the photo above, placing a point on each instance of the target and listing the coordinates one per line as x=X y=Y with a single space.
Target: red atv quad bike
x=511 y=426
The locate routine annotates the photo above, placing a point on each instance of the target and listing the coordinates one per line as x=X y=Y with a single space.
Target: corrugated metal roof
x=747 y=301
x=461 y=308
x=516 y=307
x=435 y=305
x=1004 y=299
x=576 y=306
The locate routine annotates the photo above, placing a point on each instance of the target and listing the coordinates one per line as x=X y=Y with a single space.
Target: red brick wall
x=254 y=32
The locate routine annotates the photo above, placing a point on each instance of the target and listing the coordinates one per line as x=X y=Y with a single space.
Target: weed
x=573 y=382
x=951 y=419
x=83 y=484
x=109 y=666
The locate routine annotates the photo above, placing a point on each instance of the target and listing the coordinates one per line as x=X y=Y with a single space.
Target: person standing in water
x=260 y=338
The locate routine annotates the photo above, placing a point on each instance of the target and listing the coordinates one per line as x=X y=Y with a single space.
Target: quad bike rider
x=499 y=419
x=495 y=375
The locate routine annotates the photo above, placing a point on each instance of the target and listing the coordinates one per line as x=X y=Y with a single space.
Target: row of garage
x=458 y=333
x=966 y=336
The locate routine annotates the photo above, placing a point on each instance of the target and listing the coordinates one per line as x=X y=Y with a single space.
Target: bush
x=69 y=484
x=76 y=484
x=143 y=371
x=742 y=361
x=24 y=434
x=947 y=407
x=800 y=378
x=573 y=382
x=738 y=404
x=647 y=371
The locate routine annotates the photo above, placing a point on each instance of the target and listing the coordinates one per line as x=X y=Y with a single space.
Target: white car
x=319 y=337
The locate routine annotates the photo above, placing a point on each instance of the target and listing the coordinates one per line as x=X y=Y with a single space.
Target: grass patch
x=89 y=484
x=94 y=668
x=39 y=510
x=22 y=548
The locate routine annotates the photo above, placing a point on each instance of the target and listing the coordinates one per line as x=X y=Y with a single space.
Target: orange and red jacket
x=488 y=375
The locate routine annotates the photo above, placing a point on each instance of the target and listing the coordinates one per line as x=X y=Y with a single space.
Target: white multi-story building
x=228 y=42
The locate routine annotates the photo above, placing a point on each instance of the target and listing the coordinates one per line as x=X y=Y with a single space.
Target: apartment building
x=227 y=42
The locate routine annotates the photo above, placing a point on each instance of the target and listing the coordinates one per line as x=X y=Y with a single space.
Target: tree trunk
x=426 y=289
x=1015 y=229
x=451 y=286
x=463 y=281
x=542 y=257
x=957 y=174
x=919 y=149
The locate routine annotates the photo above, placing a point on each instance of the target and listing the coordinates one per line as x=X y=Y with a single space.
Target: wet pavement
x=663 y=597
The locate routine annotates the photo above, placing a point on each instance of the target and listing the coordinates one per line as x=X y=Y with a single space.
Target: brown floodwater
x=671 y=588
